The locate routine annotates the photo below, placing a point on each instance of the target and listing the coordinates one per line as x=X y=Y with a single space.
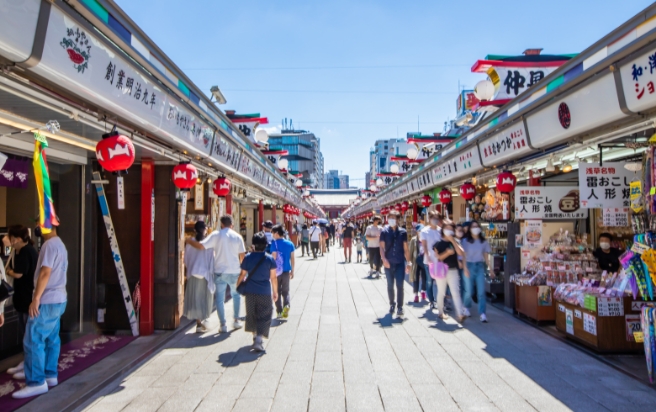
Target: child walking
x=358 y=248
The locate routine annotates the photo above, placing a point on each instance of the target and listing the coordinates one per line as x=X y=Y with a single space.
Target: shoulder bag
x=6 y=291
x=242 y=285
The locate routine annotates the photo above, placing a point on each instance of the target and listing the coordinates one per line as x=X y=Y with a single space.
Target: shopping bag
x=438 y=270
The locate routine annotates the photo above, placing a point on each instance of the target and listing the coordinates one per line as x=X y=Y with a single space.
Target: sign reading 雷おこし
x=554 y=202
x=604 y=186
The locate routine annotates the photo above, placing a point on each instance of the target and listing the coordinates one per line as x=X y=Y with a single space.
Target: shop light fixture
x=76 y=141
x=550 y=166
x=567 y=167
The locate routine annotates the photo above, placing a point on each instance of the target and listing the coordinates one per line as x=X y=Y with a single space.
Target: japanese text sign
x=463 y=164
x=509 y=82
x=604 y=186
x=616 y=217
x=638 y=77
x=548 y=202
x=502 y=146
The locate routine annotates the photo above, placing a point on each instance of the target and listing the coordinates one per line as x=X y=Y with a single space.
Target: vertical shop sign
x=183 y=213
x=199 y=203
x=590 y=324
x=116 y=254
x=604 y=186
x=152 y=216
x=533 y=234
x=569 y=321
x=121 y=192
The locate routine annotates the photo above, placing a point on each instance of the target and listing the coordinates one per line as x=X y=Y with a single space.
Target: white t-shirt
x=53 y=255
x=373 y=231
x=315 y=234
x=227 y=245
x=431 y=236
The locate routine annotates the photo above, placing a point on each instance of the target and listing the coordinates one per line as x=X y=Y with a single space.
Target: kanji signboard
x=551 y=202
x=463 y=164
x=502 y=146
x=638 y=77
x=604 y=186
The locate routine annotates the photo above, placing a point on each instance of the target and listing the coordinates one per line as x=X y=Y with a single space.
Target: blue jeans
x=395 y=274
x=41 y=344
x=477 y=276
x=431 y=286
x=222 y=280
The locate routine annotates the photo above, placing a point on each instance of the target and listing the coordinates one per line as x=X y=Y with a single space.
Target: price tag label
x=610 y=307
x=633 y=325
x=639 y=248
x=616 y=216
x=639 y=337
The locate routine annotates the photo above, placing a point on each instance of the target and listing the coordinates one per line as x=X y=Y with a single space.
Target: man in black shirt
x=347 y=234
x=608 y=257
x=331 y=232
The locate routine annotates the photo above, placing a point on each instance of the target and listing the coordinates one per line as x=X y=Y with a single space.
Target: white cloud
x=271 y=129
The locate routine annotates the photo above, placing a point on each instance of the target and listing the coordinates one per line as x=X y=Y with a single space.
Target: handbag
x=6 y=291
x=242 y=285
x=438 y=270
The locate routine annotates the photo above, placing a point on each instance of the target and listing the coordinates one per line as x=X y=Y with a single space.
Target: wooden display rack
x=526 y=303
x=611 y=334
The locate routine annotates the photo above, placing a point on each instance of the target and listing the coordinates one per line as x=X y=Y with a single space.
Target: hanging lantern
x=184 y=176
x=445 y=196
x=397 y=207
x=426 y=201
x=506 y=182
x=468 y=191
x=383 y=211
x=221 y=186
x=115 y=152
x=405 y=206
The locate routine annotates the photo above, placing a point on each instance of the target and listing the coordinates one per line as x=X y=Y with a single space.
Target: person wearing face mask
x=608 y=257
x=396 y=259
x=372 y=235
x=447 y=252
x=477 y=250
x=429 y=237
x=462 y=267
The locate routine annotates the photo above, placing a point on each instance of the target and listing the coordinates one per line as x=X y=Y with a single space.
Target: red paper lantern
x=506 y=182
x=383 y=211
x=426 y=201
x=184 y=176
x=468 y=191
x=115 y=152
x=445 y=196
x=397 y=207
x=221 y=186
x=405 y=206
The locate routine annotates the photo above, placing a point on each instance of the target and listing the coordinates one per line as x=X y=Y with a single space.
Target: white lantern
x=413 y=153
x=283 y=163
x=306 y=193
x=373 y=188
x=261 y=136
x=484 y=90
x=298 y=183
x=379 y=182
x=394 y=168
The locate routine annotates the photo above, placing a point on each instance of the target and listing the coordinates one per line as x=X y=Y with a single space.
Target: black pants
x=315 y=248
x=283 y=291
x=374 y=258
x=305 y=247
x=259 y=309
x=420 y=276
x=395 y=275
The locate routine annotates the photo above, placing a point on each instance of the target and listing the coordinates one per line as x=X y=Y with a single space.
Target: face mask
x=605 y=245
x=434 y=222
x=459 y=234
x=476 y=231
x=391 y=222
x=448 y=232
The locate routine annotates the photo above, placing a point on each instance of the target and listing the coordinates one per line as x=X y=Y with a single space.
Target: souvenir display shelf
x=497 y=236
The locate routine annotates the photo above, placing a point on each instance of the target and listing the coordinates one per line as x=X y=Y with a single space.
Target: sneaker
x=416 y=299
x=461 y=318
x=30 y=391
x=279 y=315
x=16 y=369
x=201 y=329
x=237 y=324
x=483 y=318
x=423 y=296
x=19 y=376
x=52 y=382
x=257 y=344
x=285 y=312
x=431 y=306
x=443 y=316
x=392 y=307
x=465 y=312
x=223 y=329
x=399 y=313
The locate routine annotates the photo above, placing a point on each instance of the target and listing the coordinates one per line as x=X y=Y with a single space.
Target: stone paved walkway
x=341 y=351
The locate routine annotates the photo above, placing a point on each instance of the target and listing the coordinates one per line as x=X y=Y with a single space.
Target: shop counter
x=527 y=303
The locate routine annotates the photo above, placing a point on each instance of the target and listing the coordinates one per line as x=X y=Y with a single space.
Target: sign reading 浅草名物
x=551 y=202
x=604 y=186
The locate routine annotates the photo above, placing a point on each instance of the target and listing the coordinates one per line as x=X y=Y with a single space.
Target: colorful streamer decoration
x=47 y=215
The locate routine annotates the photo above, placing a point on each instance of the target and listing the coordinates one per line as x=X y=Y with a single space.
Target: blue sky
x=356 y=71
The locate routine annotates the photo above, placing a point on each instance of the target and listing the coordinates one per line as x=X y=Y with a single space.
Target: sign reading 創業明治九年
x=548 y=202
x=605 y=186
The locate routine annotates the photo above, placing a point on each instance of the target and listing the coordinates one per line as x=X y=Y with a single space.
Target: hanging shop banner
x=510 y=82
x=533 y=234
x=638 y=82
x=14 y=173
x=226 y=152
x=615 y=217
x=591 y=106
x=605 y=186
x=503 y=146
x=78 y=61
x=464 y=164
x=548 y=202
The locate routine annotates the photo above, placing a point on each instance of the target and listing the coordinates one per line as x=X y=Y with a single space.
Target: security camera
x=216 y=92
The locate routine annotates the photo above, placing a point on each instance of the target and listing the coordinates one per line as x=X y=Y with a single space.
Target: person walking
x=477 y=250
x=322 y=238
x=200 y=287
x=462 y=266
x=396 y=256
x=315 y=238
x=282 y=251
x=266 y=227
x=372 y=233
x=21 y=266
x=41 y=343
x=340 y=229
x=347 y=234
x=447 y=251
x=305 y=241
x=258 y=270
x=229 y=251
x=429 y=237
x=417 y=272
x=358 y=247
x=331 y=231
